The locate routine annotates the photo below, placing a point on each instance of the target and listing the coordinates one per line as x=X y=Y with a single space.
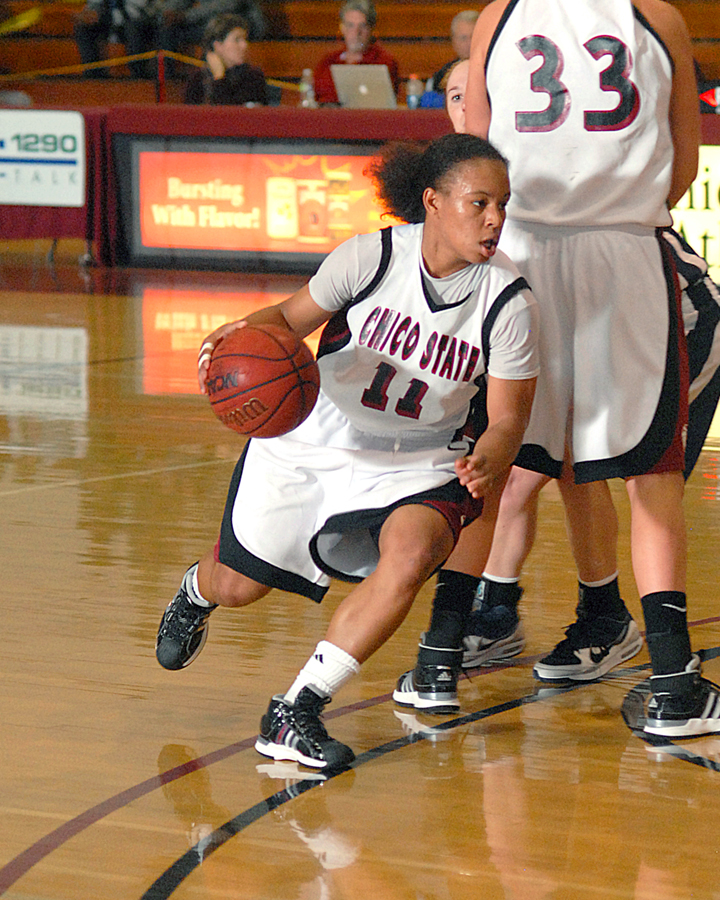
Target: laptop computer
x=364 y=87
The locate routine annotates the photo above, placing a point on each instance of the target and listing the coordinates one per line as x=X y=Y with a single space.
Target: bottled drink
x=307 y=89
x=414 y=90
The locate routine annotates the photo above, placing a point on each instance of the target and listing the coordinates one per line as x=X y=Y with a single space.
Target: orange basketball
x=263 y=381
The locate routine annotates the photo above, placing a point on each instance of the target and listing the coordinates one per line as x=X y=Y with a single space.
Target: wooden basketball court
x=120 y=780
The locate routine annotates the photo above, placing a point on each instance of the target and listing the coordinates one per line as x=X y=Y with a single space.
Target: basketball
x=263 y=381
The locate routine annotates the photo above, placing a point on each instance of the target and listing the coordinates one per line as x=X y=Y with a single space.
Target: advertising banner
x=42 y=158
x=249 y=199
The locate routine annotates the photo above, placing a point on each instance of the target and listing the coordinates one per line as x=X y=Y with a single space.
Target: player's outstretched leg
x=683 y=704
x=184 y=625
x=431 y=686
x=294 y=731
x=603 y=636
x=494 y=631
x=414 y=540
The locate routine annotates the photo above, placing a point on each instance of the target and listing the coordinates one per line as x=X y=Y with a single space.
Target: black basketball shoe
x=590 y=649
x=295 y=731
x=431 y=687
x=183 y=629
x=494 y=631
x=683 y=705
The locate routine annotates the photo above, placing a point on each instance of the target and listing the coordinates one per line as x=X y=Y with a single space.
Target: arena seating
x=301 y=31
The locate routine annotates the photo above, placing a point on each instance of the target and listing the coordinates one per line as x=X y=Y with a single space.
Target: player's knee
x=411 y=563
x=233 y=589
x=522 y=488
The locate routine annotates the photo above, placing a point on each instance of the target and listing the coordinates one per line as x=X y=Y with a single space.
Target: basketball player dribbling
x=428 y=365
x=594 y=103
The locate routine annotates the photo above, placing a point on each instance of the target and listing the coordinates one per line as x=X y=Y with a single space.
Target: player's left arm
x=508 y=409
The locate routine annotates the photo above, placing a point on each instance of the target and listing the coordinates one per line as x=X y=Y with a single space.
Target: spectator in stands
x=226 y=78
x=461 y=32
x=357 y=20
x=182 y=23
x=129 y=22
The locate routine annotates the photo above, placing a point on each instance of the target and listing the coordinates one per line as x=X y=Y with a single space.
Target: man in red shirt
x=357 y=20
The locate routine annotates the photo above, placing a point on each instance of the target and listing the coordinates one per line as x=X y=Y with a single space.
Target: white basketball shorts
x=297 y=514
x=613 y=380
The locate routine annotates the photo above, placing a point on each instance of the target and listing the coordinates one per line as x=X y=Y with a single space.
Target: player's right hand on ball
x=209 y=345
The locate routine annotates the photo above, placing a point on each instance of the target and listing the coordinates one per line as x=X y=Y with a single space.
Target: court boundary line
x=21 y=864
x=140 y=473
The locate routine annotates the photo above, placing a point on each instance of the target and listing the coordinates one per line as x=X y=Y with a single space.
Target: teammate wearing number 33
x=582 y=106
x=428 y=362
x=594 y=103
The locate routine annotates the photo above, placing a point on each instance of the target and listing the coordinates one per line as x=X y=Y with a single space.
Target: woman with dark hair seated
x=226 y=78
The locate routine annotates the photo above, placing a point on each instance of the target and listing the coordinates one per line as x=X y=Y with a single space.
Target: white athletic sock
x=601 y=583
x=327 y=670
x=499 y=579
x=193 y=589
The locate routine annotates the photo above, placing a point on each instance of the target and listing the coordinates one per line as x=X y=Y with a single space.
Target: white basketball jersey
x=398 y=370
x=580 y=96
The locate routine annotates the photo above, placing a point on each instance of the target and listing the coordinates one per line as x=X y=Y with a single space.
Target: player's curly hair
x=404 y=169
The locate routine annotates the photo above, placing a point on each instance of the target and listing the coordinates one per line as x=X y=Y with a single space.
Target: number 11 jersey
x=404 y=356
